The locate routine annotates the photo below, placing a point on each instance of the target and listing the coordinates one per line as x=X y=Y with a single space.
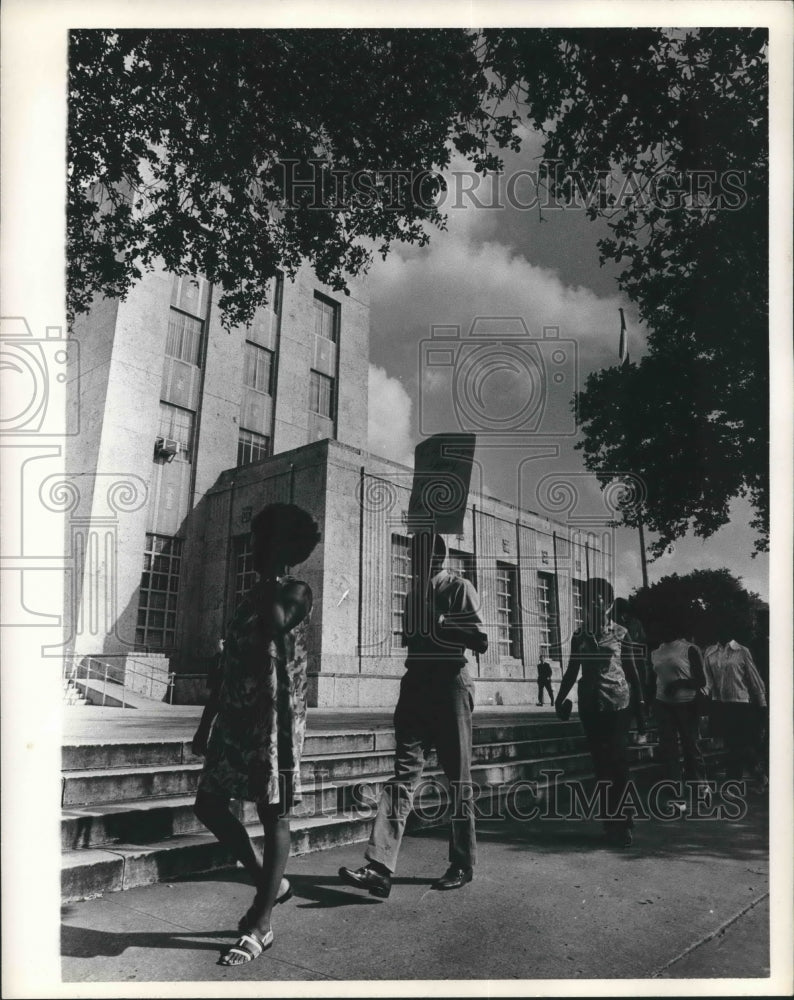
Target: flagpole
x=643 y=558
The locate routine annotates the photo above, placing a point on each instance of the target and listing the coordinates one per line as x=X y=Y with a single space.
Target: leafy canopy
x=681 y=117
x=180 y=143
x=182 y=146
x=707 y=605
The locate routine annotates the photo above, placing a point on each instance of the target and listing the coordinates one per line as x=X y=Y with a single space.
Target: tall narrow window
x=547 y=613
x=577 y=590
x=176 y=424
x=326 y=318
x=321 y=395
x=184 y=337
x=251 y=447
x=507 y=626
x=157 y=602
x=258 y=368
x=244 y=572
x=400 y=581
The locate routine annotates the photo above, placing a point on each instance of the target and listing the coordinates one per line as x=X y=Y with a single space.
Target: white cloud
x=389 y=427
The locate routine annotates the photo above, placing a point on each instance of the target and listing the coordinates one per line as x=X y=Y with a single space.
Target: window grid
x=400 y=582
x=176 y=424
x=321 y=395
x=326 y=318
x=251 y=447
x=184 y=337
x=545 y=609
x=258 y=368
x=244 y=572
x=506 y=611
x=157 y=602
x=578 y=604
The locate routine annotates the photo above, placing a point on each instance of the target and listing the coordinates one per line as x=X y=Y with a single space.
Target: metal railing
x=89 y=668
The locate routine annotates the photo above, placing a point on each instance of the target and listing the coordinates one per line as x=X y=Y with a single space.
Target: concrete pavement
x=549 y=901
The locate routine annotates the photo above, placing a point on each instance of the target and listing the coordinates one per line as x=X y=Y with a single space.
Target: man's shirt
x=451 y=597
x=731 y=674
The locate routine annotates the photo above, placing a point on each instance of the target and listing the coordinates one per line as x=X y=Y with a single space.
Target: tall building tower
x=170 y=399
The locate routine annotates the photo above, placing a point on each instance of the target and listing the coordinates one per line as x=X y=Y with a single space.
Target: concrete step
x=95 y=870
x=171 y=776
x=147 y=819
x=88 y=788
x=87 y=755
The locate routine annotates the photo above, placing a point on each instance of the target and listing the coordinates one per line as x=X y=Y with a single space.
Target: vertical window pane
x=258 y=368
x=176 y=424
x=547 y=609
x=251 y=447
x=244 y=572
x=184 y=337
x=321 y=395
x=400 y=580
x=326 y=315
x=157 y=630
x=578 y=604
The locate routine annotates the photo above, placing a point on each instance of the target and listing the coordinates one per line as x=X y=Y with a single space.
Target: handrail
x=86 y=666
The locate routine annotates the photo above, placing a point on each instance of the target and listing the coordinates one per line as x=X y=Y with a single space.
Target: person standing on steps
x=544 y=680
x=434 y=708
x=251 y=732
x=609 y=693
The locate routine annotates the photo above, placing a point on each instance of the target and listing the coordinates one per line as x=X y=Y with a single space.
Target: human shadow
x=309 y=891
x=328 y=891
x=82 y=942
x=742 y=839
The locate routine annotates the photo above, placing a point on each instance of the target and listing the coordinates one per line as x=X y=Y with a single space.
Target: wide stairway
x=127 y=817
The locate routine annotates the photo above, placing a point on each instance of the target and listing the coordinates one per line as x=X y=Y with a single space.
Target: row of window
x=160 y=583
x=184 y=343
x=508 y=623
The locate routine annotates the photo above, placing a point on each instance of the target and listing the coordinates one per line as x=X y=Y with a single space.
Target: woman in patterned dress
x=252 y=730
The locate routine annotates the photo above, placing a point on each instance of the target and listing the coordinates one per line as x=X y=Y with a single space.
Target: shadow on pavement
x=82 y=942
x=745 y=839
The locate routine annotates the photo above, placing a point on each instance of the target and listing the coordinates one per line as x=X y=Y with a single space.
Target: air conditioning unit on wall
x=166 y=448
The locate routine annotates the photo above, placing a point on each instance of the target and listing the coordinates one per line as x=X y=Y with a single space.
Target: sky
x=492 y=270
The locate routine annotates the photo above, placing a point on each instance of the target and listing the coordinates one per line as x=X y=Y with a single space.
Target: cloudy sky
x=511 y=265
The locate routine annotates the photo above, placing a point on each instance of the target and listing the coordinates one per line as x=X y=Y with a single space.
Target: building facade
x=188 y=429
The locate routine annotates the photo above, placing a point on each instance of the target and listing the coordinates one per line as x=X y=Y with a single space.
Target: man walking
x=434 y=708
x=544 y=680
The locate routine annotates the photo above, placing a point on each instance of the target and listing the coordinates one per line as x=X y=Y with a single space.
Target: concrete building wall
x=125 y=374
x=122 y=348
x=360 y=502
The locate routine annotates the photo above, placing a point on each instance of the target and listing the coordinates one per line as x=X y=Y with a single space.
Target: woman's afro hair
x=295 y=529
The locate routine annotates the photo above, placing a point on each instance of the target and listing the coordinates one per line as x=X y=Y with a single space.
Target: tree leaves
x=191 y=133
x=684 y=114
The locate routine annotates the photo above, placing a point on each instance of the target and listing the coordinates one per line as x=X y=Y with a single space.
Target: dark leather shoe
x=454 y=878
x=376 y=883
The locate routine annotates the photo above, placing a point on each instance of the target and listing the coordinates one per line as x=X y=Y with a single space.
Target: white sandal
x=261 y=944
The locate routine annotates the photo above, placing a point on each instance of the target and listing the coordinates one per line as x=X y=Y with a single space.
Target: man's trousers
x=434 y=709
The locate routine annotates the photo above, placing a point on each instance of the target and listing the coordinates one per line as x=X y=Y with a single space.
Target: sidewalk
x=549 y=901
